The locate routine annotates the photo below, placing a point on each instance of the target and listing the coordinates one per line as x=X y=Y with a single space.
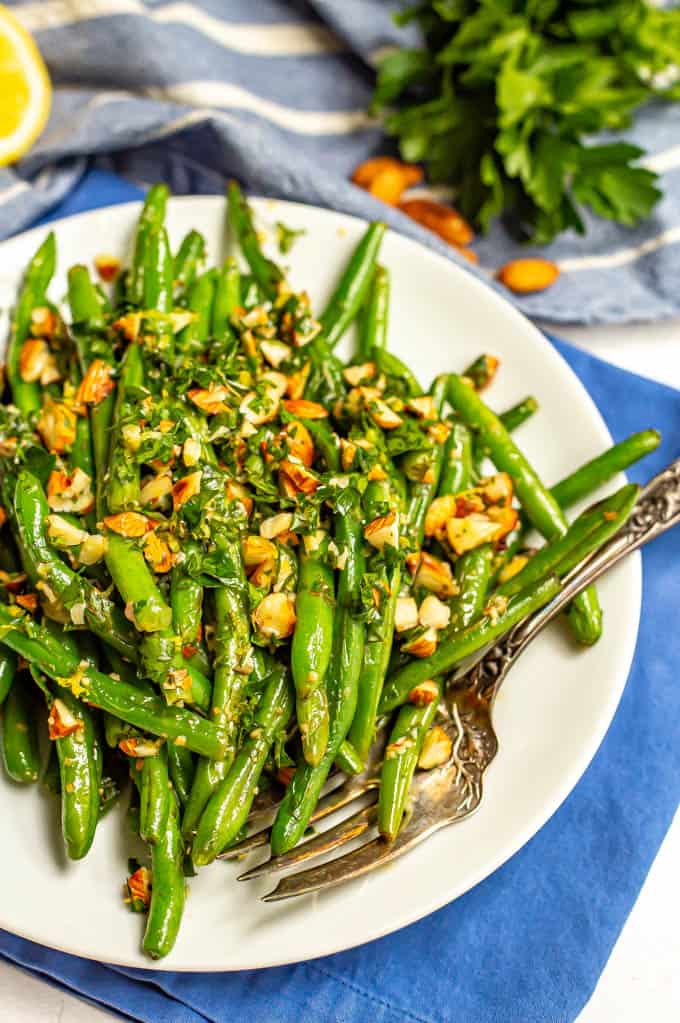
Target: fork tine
x=360 y=861
x=340 y=834
x=334 y=800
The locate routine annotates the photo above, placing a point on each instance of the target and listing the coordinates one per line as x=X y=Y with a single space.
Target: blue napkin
x=529 y=943
x=276 y=92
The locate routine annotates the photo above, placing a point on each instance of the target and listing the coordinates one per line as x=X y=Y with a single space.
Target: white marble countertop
x=642 y=978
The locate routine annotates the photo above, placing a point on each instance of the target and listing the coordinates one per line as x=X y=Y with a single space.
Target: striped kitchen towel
x=275 y=93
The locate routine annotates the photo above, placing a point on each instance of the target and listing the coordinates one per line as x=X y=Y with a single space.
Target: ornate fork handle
x=657 y=510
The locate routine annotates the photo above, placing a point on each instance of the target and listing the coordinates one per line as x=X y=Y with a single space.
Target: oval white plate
x=550 y=717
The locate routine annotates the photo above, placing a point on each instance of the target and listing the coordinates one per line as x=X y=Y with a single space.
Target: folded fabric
x=529 y=943
x=276 y=92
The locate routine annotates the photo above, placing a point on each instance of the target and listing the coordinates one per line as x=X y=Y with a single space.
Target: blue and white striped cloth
x=275 y=93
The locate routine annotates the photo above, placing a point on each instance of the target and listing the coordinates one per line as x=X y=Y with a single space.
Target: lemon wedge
x=25 y=90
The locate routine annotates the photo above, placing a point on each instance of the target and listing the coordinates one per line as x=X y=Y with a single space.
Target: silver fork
x=448 y=794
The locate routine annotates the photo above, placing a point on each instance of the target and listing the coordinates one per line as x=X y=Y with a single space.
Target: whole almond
x=443 y=220
x=367 y=171
x=526 y=275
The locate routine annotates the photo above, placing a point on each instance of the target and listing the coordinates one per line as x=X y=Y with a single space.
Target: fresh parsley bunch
x=501 y=101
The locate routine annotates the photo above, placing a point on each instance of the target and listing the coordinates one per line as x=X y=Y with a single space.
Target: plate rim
x=481 y=289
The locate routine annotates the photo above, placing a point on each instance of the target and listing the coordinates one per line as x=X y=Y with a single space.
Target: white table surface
x=642 y=978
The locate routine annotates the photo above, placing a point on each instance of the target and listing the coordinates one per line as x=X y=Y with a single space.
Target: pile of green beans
x=227 y=554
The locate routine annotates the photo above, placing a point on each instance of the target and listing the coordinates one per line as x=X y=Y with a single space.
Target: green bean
x=188 y=260
x=74 y=591
x=392 y=365
x=482 y=371
x=267 y=274
x=457 y=469
x=378 y=646
x=229 y=805
x=227 y=299
x=351 y=291
x=325 y=442
x=79 y=771
x=373 y=333
x=186 y=598
x=200 y=302
x=168 y=888
x=123 y=470
x=20 y=754
x=39 y=273
x=182 y=768
x=154 y=797
x=596 y=472
x=511 y=419
x=311 y=652
x=232 y=656
x=401 y=757
x=460 y=645
x=347 y=759
x=127 y=702
x=86 y=311
x=473 y=573
x=302 y=794
x=538 y=503
x=136 y=584
x=151 y=217
x=588 y=532
x=8 y=669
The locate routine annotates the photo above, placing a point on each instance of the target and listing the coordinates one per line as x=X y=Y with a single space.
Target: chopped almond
x=96 y=384
x=406 y=614
x=29 y=601
x=108 y=267
x=303 y=409
x=437 y=749
x=432 y=574
x=302 y=479
x=138 y=889
x=348 y=450
x=256 y=550
x=299 y=442
x=356 y=375
x=34 y=358
x=63 y=533
x=210 y=400
x=44 y=321
x=433 y=613
x=191 y=452
x=155 y=489
x=129 y=524
x=70 y=492
x=376 y=473
x=297 y=382
x=424 y=693
x=423 y=645
x=275 y=352
x=129 y=325
x=464 y=534
x=383 y=530
x=158 y=554
x=181 y=318
x=93 y=549
x=61 y=722
x=274 y=616
x=275 y=525
x=57 y=426
x=139 y=748
x=186 y=488
x=262 y=408
x=382 y=415
x=423 y=407
x=443 y=220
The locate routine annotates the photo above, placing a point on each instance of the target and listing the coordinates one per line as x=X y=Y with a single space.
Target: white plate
x=551 y=715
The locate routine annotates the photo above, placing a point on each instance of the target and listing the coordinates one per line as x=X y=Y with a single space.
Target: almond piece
x=299 y=442
x=433 y=613
x=186 y=488
x=432 y=574
x=61 y=721
x=275 y=525
x=424 y=693
x=383 y=530
x=423 y=645
x=437 y=748
x=406 y=614
x=443 y=220
x=302 y=409
x=96 y=384
x=57 y=426
x=274 y=616
x=129 y=524
x=526 y=275
x=33 y=359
